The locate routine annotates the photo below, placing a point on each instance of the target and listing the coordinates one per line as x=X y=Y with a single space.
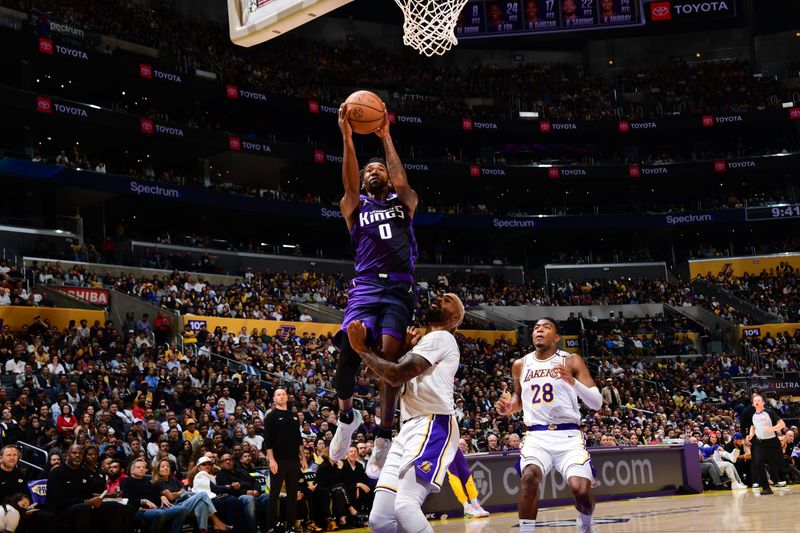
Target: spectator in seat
x=244 y=487
x=70 y=495
x=198 y=503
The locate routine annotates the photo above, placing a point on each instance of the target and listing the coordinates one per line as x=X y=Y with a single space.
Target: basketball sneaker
x=469 y=510
x=584 y=529
x=478 y=511
x=780 y=484
x=738 y=486
x=344 y=436
x=378 y=458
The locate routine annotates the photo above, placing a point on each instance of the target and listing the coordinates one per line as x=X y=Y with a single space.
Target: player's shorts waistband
x=552 y=427
x=387 y=276
x=407 y=420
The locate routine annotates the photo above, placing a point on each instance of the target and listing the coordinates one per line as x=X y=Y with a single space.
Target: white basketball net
x=429 y=24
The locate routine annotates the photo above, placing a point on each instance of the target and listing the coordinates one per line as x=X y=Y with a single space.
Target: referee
x=765 y=426
x=285 y=452
x=746 y=420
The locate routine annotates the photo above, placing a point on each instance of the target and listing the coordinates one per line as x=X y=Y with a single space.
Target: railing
x=30 y=451
x=283 y=380
x=710 y=289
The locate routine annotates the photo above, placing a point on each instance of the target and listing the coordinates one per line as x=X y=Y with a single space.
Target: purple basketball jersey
x=383 y=236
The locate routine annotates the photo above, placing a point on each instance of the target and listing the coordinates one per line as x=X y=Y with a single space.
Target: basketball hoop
x=429 y=24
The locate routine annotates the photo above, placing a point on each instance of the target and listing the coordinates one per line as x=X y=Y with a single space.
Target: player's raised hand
x=413 y=335
x=383 y=131
x=564 y=373
x=357 y=333
x=344 y=121
x=503 y=405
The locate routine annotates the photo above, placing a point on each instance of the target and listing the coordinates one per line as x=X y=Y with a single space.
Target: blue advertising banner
x=85 y=179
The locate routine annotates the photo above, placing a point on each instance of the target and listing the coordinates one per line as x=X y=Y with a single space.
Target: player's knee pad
x=346 y=370
x=382 y=523
x=410 y=516
x=382 y=516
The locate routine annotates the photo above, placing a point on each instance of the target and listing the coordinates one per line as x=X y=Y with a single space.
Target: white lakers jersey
x=431 y=393
x=547 y=399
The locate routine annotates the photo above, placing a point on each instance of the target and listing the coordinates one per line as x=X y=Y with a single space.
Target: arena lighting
x=528 y=114
x=93 y=106
x=289 y=245
x=787 y=105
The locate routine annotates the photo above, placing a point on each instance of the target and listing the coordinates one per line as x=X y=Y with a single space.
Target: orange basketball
x=366 y=111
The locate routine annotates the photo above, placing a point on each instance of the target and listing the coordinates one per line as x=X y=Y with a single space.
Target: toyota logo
x=44 y=105
x=660 y=11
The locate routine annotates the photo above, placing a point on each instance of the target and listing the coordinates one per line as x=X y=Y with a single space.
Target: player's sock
x=346 y=416
x=527 y=526
x=585 y=519
x=384 y=433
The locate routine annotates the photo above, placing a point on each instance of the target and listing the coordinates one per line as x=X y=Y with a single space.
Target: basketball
x=366 y=111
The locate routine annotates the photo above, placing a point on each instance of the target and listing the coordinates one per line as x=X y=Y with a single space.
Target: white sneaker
x=380 y=451
x=755 y=485
x=469 y=510
x=343 y=437
x=581 y=529
x=780 y=484
x=479 y=511
x=738 y=486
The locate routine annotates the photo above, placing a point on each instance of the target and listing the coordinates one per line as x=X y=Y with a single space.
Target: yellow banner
x=283 y=329
x=739 y=266
x=16 y=317
x=572 y=344
x=761 y=330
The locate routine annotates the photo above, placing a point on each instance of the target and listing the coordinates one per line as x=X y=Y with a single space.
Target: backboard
x=255 y=21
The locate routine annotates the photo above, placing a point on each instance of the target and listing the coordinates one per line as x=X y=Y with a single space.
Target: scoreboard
x=488 y=18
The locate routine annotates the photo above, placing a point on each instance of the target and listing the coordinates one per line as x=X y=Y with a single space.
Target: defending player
x=548 y=383
x=382 y=294
x=428 y=439
x=463 y=485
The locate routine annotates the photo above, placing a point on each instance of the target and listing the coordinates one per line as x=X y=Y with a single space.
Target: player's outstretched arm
x=397 y=172
x=506 y=406
x=350 y=173
x=396 y=374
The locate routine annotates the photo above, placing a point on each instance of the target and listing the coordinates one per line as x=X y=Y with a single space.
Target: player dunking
x=428 y=438
x=548 y=383
x=382 y=294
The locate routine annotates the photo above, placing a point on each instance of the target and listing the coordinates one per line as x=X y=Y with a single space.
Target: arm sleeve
x=436 y=346
x=590 y=395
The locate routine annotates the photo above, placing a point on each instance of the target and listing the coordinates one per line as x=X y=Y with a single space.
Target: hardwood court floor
x=712 y=512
